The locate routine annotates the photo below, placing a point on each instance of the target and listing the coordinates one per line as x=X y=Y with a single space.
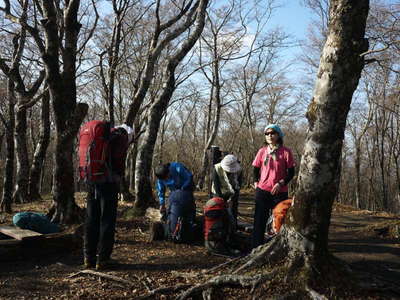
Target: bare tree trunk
x=6 y=199
x=155 y=50
x=40 y=152
x=338 y=77
x=68 y=114
x=21 y=188
x=120 y=8
x=357 y=166
x=25 y=100
x=216 y=88
x=128 y=182
x=143 y=190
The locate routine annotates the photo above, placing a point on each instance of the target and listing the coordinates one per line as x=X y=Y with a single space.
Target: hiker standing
x=273 y=170
x=181 y=210
x=227 y=180
x=102 y=153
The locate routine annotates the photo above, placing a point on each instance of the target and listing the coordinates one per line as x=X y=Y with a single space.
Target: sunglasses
x=270 y=133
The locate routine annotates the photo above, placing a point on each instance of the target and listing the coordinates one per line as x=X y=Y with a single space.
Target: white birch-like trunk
x=339 y=72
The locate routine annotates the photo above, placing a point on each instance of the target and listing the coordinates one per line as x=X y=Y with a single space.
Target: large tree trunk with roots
x=40 y=152
x=300 y=251
x=68 y=114
x=143 y=194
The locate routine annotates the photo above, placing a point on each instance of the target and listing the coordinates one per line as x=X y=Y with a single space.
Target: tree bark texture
x=216 y=88
x=143 y=191
x=68 y=115
x=8 y=185
x=21 y=188
x=40 y=151
x=338 y=76
x=25 y=100
x=155 y=50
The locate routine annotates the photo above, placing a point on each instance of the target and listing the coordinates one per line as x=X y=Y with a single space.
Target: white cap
x=230 y=164
x=128 y=130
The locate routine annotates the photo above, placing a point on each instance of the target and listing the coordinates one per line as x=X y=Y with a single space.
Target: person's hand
x=162 y=209
x=276 y=188
x=255 y=185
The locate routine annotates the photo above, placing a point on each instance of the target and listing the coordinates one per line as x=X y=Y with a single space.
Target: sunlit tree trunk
x=338 y=76
x=40 y=151
x=8 y=184
x=22 y=179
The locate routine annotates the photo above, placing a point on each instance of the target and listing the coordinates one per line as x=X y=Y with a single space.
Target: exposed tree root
x=103 y=275
x=163 y=290
x=286 y=266
x=288 y=244
x=66 y=213
x=227 y=280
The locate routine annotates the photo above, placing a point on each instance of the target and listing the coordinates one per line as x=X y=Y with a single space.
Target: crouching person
x=180 y=215
x=218 y=228
x=226 y=182
x=102 y=154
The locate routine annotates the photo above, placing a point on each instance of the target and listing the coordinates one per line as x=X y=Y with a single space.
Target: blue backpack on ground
x=36 y=222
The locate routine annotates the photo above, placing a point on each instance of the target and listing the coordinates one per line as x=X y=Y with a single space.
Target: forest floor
x=369 y=242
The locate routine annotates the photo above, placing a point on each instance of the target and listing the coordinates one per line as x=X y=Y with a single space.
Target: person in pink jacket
x=273 y=170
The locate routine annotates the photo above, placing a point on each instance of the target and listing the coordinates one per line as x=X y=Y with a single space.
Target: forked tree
x=143 y=193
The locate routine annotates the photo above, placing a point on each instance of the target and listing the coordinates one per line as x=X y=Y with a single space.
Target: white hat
x=128 y=130
x=230 y=164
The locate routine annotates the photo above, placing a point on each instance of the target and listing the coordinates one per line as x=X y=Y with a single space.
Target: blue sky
x=293 y=17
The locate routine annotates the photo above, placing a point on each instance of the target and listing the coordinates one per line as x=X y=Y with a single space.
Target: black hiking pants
x=101 y=214
x=265 y=202
x=233 y=209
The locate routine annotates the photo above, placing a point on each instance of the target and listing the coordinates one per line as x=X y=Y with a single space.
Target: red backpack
x=93 y=149
x=102 y=152
x=216 y=220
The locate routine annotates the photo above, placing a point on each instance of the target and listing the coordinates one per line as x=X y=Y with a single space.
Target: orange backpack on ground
x=279 y=213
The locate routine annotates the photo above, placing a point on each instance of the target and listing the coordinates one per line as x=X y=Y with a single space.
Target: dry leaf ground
x=358 y=237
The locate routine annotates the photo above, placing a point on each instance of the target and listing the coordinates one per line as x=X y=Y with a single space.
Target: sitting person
x=181 y=210
x=226 y=183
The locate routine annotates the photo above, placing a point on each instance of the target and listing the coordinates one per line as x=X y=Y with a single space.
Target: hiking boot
x=102 y=264
x=88 y=263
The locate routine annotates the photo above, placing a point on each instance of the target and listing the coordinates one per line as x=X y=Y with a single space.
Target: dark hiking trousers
x=265 y=202
x=101 y=213
x=233 y=209
x=181 y=204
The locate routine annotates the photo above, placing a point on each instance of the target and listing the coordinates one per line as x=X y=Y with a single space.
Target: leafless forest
x=110 y=58
x=189 y=74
